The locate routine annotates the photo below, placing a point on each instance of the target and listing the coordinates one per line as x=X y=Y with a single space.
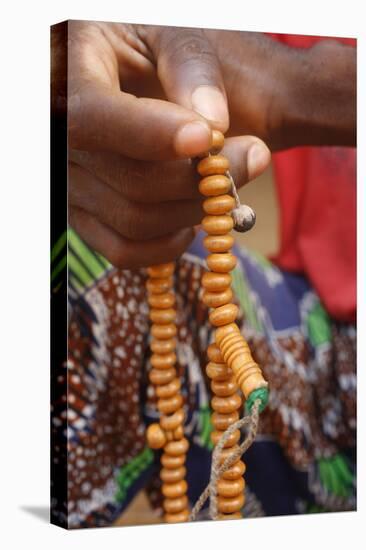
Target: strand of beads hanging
x=227 y=375
x=168 y=434
x=217 y=294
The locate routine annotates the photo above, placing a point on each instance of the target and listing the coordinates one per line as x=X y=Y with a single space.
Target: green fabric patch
x=85 y=265
x=131 y=471
x=241 y=289
x=336 y=476
x=318 y=325
x=204 y=415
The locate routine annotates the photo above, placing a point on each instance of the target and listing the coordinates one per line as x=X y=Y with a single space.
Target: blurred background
x=260 y=194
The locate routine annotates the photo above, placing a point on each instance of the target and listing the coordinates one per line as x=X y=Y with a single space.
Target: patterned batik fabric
x=303 y=459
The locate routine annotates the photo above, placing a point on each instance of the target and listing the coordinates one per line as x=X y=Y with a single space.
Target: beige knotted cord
x=216 y=470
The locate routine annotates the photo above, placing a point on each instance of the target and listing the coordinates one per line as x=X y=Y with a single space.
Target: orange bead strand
x=168 y=434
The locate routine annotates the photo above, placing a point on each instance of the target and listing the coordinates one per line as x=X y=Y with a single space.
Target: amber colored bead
x=173 y=421
x=218 y=371
x=226 y=488
x=214 y=354
x=175 y=505
x=165 y=361
x=162 y=316
x=172 y=462
x=230 y=505
x=171 y=404
x=218 y=243
x=213 y=186
x=223 y=421
x=161 y=270
x=159 y=376
x=155 y=436
x=161 y=301
x=178 y=432
x=168 y=390
x=217 y=225
x=224 y=389
x=234 y=515
x=232 y=439
x=174 y=490
x=215 y=164
x=221 y=204
x=221 y=263
x=224 y=315
x=235 y=471
x=177 y=518
x=162 y=347
x=159 y=286
x=216 y=282
x=163 y=332
x=176 y=448
x=226 y=404
x=218 y=141
x=217 y=299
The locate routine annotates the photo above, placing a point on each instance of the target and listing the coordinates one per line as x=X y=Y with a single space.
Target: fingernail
x=192 y=139
x=257 y=159
x=210 y=103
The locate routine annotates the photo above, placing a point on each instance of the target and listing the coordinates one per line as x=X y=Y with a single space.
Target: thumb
x=190 y=72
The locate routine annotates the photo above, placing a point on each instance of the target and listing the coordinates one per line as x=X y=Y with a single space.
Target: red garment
x=316 y=189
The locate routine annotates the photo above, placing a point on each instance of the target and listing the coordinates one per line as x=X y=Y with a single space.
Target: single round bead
x=163 y=346
x=158 y=376
x=161 y=301
x=217 y=225
x=216 y=282
x=161 y=270
x=221 y=263
x=219 y=205
x=232 y=439
x=214 y=354
x=162 y=316
x=235 y=471
x=223 y=421
x=224 y=315
x=215 y=164
x=230 y=505
x=168 y=390
x=173 y=421
x=173 y=462
x=174 y=490
x=175 y=505
x=213 y=186
x=170 y=405
x=155 y=436
x=232 y=488
x=165 y=361
x=226 y=405
x=159 y=286
x=181 y=517
x=217 y=299
x=222 y=332
x=218 y=371
x=224 y=389
x=178 y=433
x=163 y=332
x=218 y=243
x=176 y=448
x=218 y=141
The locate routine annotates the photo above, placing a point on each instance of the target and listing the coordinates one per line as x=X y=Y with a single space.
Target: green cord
x=260 y=393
